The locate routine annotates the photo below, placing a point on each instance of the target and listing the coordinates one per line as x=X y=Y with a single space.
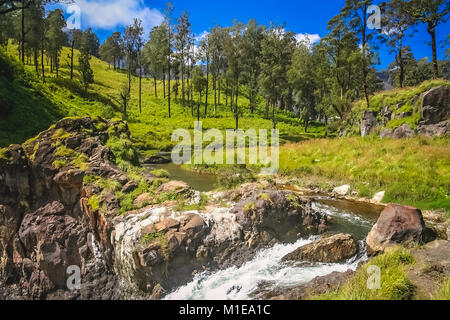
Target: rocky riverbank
x=62 y=200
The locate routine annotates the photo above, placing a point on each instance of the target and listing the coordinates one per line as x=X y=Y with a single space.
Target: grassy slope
x=151 y=129
x=414 y=171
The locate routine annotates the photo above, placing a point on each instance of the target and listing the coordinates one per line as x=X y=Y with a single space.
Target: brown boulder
x=403 y=131
x=167 y=224
x=332 y=249
x=174 y=187
x=192 y=225
x=397 y=224
x=143 y=200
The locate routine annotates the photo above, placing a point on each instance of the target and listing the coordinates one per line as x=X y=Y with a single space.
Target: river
x=267 y=269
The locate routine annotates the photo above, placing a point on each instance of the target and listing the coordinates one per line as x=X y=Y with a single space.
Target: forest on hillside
x=266 y=65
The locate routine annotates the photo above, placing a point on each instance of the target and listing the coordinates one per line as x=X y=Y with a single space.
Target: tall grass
x=411 y=171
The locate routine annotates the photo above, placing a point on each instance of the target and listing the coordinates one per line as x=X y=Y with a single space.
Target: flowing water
x=266 y=270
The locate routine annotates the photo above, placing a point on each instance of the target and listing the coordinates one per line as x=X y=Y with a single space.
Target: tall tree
x=182 y=45
x=251 y=42
x=355 y=12
x=86 y=73
x=397 y=23
x=75 y=37
x=131 y=43
x=168 y=19
x=216 y=43
x=204 y=54
x=234 y=53
x=155 y=53
x=276 y=53
x=432 y=13
x=55 y=36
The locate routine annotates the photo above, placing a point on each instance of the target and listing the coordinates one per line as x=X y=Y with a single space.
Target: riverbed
x=266 y=271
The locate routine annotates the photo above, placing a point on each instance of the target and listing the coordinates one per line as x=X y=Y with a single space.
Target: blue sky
x=300 y=16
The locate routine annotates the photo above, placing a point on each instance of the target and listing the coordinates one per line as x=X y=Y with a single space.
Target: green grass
x=151 y=129
x=393 y=99
x=444 y=291
x=161 y=173
x=411 y=171
x=94 y=202
x=394 y=282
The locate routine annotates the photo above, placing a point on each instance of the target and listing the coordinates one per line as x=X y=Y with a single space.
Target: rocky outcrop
x=60 y=211
x=46 y=221
x=157 y=159
x=332 y=249
x=316 y=287
x=432 y=107
x=397 y=224
x=276 y=212
x=435 y=112
x=368 y=123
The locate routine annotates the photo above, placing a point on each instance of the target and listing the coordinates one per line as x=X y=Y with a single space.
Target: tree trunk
x=36 y=60
x=432 y=32
x=140 y=87
x=71 y=61
x=215 y=93
x=164 y=83
x=402 y=67
x=22 y=40
x=207 y=87
x=156 y=90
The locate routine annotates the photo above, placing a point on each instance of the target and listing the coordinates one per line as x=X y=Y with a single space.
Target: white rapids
x=237 y=283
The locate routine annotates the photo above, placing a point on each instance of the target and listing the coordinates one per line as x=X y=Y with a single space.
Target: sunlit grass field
x=412 y=171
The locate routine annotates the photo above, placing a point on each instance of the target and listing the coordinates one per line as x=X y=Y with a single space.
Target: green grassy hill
x=411 y=171
x=36 y=105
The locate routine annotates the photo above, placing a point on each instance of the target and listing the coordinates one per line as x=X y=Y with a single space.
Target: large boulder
x=334 y=249
x=369 y=122
x=397 y=224
x=435 y=130
x=436 y=105
x=278 y=213
x=404 y=131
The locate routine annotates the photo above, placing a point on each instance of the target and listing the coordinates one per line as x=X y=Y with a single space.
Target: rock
x=279 y=212
x=387 y=133
x=436 y=106
x=167 y=224
x=129 y=187
x=397 y=224
x=192 y=225
x=333 y=249
x=404 y=131
x=435 y=130
x=369 y=122
x=317 y=286
x=378 y=198
x=386 y=113
x=143 y=200
x=46 y=218
x=157 y=159
x=342 y=190
x=179 y=187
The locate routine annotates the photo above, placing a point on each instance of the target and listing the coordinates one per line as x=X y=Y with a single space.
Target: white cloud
x=110 y=14
x=311 y=38
x=201 y=36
